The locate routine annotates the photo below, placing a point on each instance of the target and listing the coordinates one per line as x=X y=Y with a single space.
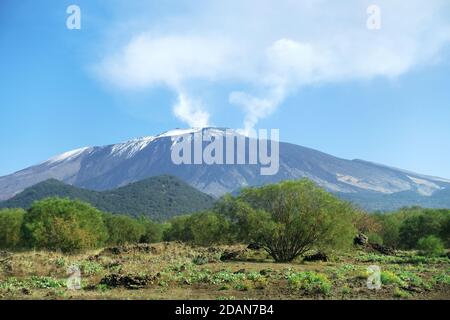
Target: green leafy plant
x=290 y=218
x=431 y=246
x=388 y=277
x=309 y=282
x=63 y=224
x=10 y=227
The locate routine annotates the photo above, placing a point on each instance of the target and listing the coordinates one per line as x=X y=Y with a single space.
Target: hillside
x=373 y=201
x=159 y=197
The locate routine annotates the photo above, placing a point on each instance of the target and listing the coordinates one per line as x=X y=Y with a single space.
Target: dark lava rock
x=229 y=255
x=26 y=291
x=382 y=249
x=361 y=240
x=142 y=247
x=254 y=246
x=94 y=258
x=265 y=272
x=131 y=282
x=320 y=256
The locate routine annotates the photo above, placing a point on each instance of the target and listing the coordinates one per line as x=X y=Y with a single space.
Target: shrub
x=367 y=223
x=390 y=228
x=310 y=282
x=375 y=238
x=179 y=229
x=208 y=228
x=244 y=220
x=153 y=232
x=403 y=228
x=123 y=229
x=388 y=277
x=421 y=223
x=441 y=278
x=402 y=294
x=10 y=227
x=203 y=228
x=445 y=231
x=290 y=218
x=63 y=224
x=430 y=246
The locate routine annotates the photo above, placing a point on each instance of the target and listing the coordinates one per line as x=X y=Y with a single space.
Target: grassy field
x=178 y=271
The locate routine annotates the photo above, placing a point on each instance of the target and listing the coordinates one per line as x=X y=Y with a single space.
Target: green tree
x=123 y=229
x=431 y=246
x=403 y=228
x=419 y=225
x=208 y=228
x=290 y=218
x=204 y=228
x=390 y=228
x=179 y=229
x=243 y=219
x=10 y=227
x=153 y=232
x=445 y=230
x=63 y=224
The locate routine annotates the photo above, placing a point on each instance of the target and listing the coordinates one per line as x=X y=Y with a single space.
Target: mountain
x=158 y=197
x=373 y=201
x=373 y=185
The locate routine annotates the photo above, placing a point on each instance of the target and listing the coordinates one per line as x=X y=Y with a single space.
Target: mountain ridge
x=158 y=197
x=107 y=167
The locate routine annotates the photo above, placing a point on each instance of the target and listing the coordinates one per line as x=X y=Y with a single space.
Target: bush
x=123 y=229
x=245 y=223
x=403 y=228
x=63 y=224
x=153 y=232
x=430 y=246
x=375 y=238
x=310 y=282
x=179 y=229
x=209 y=228
x=419 y=226
x=203 y=228
x=390 y=228
x=388 y=277
x=10 y=227
x=290 y=218
x=445 y=231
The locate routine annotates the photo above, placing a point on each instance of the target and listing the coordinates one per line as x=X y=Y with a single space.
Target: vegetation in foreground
x=180 y=271
x=290 y=226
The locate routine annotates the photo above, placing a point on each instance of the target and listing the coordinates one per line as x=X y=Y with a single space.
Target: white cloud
x=149 y=60
x=171 y=60
x=276 y=47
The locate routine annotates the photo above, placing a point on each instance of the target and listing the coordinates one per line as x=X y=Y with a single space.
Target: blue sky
x=139 y=68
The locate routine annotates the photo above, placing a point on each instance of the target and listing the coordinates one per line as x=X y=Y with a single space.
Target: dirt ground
x=182 y=272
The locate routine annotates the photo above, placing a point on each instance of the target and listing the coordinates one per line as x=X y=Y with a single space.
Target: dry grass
x=179 y=271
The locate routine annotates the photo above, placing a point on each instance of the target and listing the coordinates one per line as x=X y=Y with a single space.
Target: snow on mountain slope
x=68 y=156
x=130 y=148
x=108 y=167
